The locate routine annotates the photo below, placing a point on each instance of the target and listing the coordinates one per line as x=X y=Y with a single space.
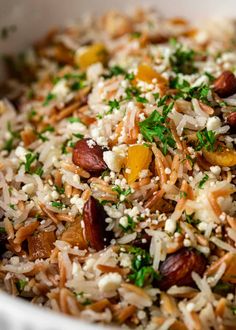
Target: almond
x=95 y=225
x=178 y=267
x=225 y=84
x=231 y=120
x=89 y=155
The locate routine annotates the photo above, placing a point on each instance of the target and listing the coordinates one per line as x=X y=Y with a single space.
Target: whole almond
x=178 y=267
x=95 y=225
x=225 y=84
x=231 y=120
x=89 y=155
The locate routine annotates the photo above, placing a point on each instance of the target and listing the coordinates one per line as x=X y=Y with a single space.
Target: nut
x=231 y=120
x=178 y=267
x=225 y=84
x=89 y=155
x=95 y=225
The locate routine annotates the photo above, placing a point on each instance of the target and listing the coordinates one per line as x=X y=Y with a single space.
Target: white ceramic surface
x=32 y=19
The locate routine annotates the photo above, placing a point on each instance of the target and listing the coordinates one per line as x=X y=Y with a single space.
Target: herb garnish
x=58 y=205
x=21 y=284
x=49 y=98
x=186 y=92
x=203 y=181
x=130 y=224
x=8 y=145
x=206 y=139
x=142 y=271
x=182 y=59
x=155 y=127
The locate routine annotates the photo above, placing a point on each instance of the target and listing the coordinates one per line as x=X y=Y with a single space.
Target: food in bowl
x=117 y=173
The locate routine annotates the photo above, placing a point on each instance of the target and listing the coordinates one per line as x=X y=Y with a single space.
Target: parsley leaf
x=58 y=205
x=154 y=127
x=203 y=181
x=142 y=271
x=206 y=139
x=30 y=158
x=182 y=60
x=130 y=224
x=186 y=92
x=74 y=120
x=49 y=98
x=21 y=284
x=113 y=104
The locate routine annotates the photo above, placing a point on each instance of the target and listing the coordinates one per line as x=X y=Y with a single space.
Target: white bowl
x=33 y=18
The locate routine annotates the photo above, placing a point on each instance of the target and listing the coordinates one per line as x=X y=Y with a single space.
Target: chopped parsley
x=141 y=99
x=182 y=59
x=186 y=92
x=191 y=220
x=78 y=135
x=130 y=224
x=142 y=273
x=203 y=181
x=60 y=190
x=30 y=158
x=21 y=284
x=48 y=128
x=183 y=194
x=2 y=230
x=39 y=171
x=9 y=144
x=223 y=288
x=113 y=104
x=31 y=114
x=136 y=35
x=233 y=309
x=12 y=206
x=155 y=127
x=49 y=98
x=58 y=205
x=74 y=120
x=122 y=192
x=206 y=139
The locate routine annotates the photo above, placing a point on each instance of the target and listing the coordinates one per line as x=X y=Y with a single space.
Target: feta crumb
x=170 y=225
x=187 y=242
x=213 y=123
x=109 y=282
x=94 y=71
x=123 y=222
x=21 y=153
x=125 y=260
x=167 y=170
x=61 y=90
x=215 y=170
x=113 y=160
x=91 y=143
x=29 y=188
x=190 y=307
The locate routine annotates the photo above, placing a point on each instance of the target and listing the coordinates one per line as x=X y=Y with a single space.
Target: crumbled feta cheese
x=213 y=123
x=29 y=188
x=215 y=170
x=170 y=226
x=21 y=153
x=61 y=90
x=143 y=174
x=187 y=242
x=78 y=202
x=167 y=170
x=90 y=143
x=123 y=222
x=109 y=282
x=94 y=71
x=113 y=160
x=125 y=260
